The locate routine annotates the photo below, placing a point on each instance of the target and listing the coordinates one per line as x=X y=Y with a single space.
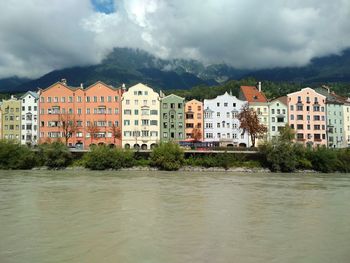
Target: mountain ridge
x=130 y=66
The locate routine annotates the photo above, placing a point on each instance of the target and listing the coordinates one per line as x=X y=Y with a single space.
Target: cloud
x=37 y=36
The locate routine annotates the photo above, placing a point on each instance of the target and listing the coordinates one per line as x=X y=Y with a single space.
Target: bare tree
x=250 y=122
x=196 y=134
x=93 y=129
x=116 y=132
x=68 y=125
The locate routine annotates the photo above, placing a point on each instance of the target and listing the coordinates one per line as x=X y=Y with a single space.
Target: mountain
x=328 y=69
x=11 y=83
x=130 y=66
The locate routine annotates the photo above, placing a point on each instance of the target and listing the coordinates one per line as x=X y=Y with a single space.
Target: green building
x=335 y=118
x=11 y=119
x=172 y=118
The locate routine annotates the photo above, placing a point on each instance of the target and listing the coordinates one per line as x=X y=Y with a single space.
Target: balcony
x=318 y=140
x=300 y=139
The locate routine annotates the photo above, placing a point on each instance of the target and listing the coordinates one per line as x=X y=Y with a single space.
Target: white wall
x=220 y=120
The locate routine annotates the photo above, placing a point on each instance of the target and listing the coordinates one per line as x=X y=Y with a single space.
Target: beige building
x=346 y=130
x=11 y=119
x=140 y=117
x=258 y=102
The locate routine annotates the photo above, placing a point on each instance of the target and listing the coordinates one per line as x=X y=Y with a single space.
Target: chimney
x=12 y=97
x=259 y=86
x=64 y=81
x=81 y=86
x=123 y=87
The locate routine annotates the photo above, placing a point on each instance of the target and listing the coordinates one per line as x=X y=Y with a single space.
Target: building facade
x=257 y=102
x=307 y=116
x=194 y=120
x=346 y=128
x=30 y=118
x=221 y=123
x=278 y=114
x=11 y=119
x=334 y=118
x=101 y=113
x=80 y=117
x=172 y=118
x=140 y=117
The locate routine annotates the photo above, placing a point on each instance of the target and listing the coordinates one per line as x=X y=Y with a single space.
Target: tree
x=250 y=122
x=196 y=134
x=116 y=132
x=68 y=125
x=287 y=134
x=93 y=129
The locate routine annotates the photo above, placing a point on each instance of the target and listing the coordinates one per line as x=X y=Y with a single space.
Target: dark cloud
x=39 y=35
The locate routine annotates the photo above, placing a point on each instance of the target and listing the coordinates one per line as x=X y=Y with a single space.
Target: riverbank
x=282 y=157
x=183 y=169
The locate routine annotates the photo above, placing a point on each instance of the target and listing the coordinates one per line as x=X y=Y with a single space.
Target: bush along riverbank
x=280 y=155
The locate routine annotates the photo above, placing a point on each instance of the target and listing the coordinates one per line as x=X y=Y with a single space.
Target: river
x=83 y=216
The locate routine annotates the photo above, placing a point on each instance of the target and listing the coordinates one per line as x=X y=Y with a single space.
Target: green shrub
x=324 y=160
x=344 y=160
x=55 y=155
x=167 y=156
x=104 y=157
x=16 y=156
x=279 y=156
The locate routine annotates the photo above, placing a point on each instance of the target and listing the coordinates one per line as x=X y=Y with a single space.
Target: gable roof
x=252 y=94
x=173 y=95
x=103 y=84
x=283 y=99
x=32 y=93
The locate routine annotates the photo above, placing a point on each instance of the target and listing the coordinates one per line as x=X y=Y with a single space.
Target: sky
x=37 y=36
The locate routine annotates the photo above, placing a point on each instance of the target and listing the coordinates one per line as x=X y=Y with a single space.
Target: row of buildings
x=139 y=117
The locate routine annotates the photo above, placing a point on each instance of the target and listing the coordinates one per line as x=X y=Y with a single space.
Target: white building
x=29 y=118
x=278 y=116
x=140 y=117
x=221 y=123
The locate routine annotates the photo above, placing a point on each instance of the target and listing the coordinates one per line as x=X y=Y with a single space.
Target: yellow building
x=140 y=117
x=11 y=119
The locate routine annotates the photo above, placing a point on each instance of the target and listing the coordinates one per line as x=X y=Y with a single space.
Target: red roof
x=252 y=94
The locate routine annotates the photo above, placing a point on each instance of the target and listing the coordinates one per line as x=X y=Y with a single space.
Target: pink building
x=307 y=116
x=80 y=117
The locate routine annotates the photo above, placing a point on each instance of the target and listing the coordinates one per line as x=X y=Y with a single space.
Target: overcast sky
x=37 y=36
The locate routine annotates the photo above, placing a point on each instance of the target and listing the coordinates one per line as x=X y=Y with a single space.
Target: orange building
x=194 y=120
x=80 y=117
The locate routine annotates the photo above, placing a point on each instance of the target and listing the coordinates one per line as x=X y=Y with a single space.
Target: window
x=127 y=112
x=299 y=117
x=291 y=107
x=87 y=99
x=218 y=104
x=136 y=112
x=126 y=122
x=300 y=126
x=225 y=104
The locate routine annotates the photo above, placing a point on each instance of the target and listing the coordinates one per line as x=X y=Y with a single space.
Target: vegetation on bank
x=280 y=155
